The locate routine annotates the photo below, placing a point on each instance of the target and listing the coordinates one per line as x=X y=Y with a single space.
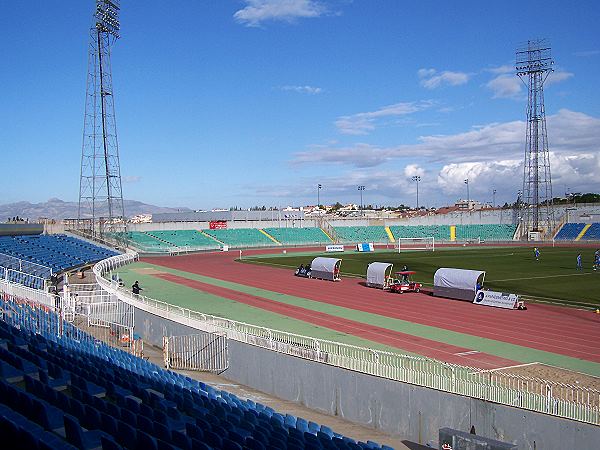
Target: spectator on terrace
x=135 y=288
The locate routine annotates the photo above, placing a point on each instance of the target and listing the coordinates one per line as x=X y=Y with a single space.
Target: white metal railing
x=12 y=262
x=206 y=352
x=35 y=295
x=563 y=400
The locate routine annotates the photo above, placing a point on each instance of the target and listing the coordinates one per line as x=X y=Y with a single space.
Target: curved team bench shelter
x=379 y=275
x=461 y=284
x=326 y=268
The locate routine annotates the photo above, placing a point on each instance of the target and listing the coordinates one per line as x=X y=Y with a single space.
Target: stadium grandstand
x=32 y=260
x=375 y=234
x=61 y=388
x=73 y=376
x=299 y=236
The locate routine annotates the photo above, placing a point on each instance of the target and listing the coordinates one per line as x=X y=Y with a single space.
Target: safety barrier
x=206 y=352
x=545 y=396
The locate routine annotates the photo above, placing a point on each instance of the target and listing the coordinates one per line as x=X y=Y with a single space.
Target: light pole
x=468 y=198
x=417 y=178
x=493 y=198
x=319 y=187
x=361 y=189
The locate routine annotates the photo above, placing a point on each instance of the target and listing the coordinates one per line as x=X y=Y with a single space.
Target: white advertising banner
x=334 y=248
x=497 y=299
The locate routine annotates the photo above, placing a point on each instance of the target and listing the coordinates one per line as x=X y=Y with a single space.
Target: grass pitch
x=508 y=269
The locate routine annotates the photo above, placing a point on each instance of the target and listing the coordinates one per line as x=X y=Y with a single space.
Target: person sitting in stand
x=135 y=288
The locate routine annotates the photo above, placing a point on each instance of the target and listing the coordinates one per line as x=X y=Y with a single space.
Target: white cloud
x=569 y=132
x=587 y=53
x=257 y=11
x=501 y=69
x=576 y=171
x=363 y=123
x=413 y=170
x=506 y=86
x=303 y=89
x=431 y=79
x=358 y=155
x=131 y=178
x=558 y=76
x=502 y=175
x=491 y=156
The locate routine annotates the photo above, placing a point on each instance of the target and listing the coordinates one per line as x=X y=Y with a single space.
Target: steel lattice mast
x=533 y=65
x=100 y=191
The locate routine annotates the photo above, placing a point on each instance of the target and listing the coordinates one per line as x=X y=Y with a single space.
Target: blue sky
x=242 y=103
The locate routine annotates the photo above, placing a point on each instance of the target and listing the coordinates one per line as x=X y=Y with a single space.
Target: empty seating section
x=372 y=233
x=58 y=251
x=66 y=390
x=439 y=232
x=299 y=236
x=486 y=232
x=570 y=231
x=185 y=238
x=241 y=237
x=145 y=242
x=23 y=272
x=592 y=233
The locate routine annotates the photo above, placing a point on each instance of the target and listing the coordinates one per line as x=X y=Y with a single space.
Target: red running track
x=410 y=343
x=555 y=329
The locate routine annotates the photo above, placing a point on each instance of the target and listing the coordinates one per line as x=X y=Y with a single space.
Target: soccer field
x=508 y=269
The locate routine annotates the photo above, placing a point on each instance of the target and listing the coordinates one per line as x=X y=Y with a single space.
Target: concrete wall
x=410 y=412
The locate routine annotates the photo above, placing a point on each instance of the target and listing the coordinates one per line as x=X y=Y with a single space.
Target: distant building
x=468 y=205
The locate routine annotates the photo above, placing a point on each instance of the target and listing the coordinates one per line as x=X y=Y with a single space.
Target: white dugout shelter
x=460 y=284
x=326 y=268
x=379 y=274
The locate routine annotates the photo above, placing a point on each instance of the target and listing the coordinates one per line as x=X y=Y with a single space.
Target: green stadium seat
x=299 y=236
x=371 y=233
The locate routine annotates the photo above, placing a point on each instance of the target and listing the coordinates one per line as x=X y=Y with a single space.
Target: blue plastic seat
x=181 y=440
x=254 y=444
x=10 y=373
x=228 y=444
x=127 y=435
x=109 y=424
x=199 y=445
x=213 y=439
x=109 y=444
x=145 y=441
x=78 y=437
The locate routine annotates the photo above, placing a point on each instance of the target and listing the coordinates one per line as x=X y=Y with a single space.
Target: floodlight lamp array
x=107 y=15
x=535 y=57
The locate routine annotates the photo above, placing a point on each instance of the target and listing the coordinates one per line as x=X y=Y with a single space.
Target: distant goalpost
x=415 y=244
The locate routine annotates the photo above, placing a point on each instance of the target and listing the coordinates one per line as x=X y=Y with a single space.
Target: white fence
x=35 y=295
x=206 y=352
x=563 y=400
x=12 y=262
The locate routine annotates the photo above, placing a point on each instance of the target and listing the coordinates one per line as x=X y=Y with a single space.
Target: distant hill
x=58 y=209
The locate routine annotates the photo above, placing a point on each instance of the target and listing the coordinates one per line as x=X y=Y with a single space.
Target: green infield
x=554 y=277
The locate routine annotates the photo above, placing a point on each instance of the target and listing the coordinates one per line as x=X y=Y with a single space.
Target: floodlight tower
x=100 y=192
x=534 y=64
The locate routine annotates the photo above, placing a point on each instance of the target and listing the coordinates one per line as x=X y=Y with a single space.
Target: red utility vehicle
x=403 y=283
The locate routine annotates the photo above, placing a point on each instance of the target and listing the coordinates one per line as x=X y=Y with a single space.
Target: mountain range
x=56 y=208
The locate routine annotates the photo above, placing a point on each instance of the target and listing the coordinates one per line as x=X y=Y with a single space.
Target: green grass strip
x=189 y=298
